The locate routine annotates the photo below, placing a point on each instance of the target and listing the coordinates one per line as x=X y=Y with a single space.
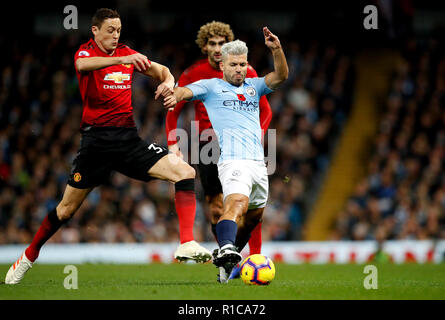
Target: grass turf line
x=198 y=282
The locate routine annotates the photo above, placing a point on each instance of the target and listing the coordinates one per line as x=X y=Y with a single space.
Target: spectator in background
x=42 y=107
x=402 y=195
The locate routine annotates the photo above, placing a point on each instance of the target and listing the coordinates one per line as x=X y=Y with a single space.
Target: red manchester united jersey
x=106 y=93
x=203 y=70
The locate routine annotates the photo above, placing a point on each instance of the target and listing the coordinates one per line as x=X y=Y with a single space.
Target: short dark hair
x=103 y=14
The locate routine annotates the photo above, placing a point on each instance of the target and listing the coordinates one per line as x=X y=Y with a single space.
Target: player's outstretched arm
x=161 y=73
x=86 y=64
x=180 y=93
x=281 y=70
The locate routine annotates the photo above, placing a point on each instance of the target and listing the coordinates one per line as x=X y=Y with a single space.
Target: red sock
x=255 y=240
x=49 y=226
x=185 y=202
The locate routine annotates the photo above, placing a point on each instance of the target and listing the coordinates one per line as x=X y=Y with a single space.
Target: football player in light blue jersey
x=234 y=114
x=232 y=106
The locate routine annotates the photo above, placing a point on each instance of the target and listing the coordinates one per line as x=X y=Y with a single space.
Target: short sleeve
x=199 y=89
x=260 y=86
x=83 y=53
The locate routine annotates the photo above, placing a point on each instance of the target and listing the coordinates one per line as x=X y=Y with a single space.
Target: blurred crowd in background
x=403 y=194
x=40 y=111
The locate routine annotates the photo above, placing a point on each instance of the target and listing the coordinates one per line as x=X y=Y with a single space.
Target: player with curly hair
x=232 y=104
x=210 y=38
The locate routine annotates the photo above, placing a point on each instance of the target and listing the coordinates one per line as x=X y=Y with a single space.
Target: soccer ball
x=257 y=269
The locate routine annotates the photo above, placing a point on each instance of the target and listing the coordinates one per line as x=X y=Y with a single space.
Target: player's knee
x=186 y=172
x=235 y=207
x=239 y=200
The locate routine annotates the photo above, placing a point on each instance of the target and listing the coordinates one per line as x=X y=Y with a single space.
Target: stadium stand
x=402 y=195
x=39 y=137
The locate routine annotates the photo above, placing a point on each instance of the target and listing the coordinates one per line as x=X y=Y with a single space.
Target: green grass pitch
x=198 y=282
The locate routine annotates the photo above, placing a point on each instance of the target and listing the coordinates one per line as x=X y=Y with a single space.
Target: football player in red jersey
x=210 y=39
x=110 y=142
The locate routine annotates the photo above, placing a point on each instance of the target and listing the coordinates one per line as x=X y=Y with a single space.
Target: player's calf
x=65 y=211
x=235 y=206
x=185 y=171
x=216 y=210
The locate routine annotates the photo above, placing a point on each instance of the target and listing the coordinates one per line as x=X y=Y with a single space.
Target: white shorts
x=248 y=177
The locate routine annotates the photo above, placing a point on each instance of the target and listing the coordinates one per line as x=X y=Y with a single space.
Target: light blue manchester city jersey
x=234 y=114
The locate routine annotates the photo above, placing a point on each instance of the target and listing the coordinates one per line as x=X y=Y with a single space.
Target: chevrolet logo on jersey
x=117 y=77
